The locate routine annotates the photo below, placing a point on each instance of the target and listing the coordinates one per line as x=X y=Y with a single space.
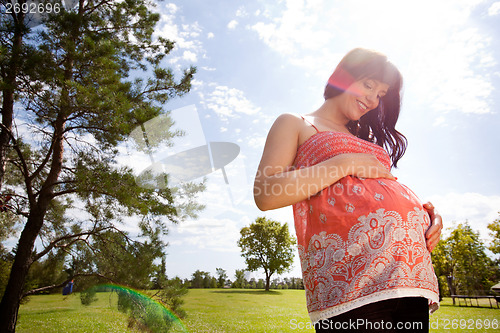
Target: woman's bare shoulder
x=288 y=122
x=300 y=126
x=289 y=118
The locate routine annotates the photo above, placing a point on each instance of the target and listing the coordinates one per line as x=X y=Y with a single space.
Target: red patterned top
x=360 y=240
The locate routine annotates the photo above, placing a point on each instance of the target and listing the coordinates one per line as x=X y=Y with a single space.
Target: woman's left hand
x=434 y=232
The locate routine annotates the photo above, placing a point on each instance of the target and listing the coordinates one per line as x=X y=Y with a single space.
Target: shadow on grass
x=49 y=311
x=249 y=292
x=447 y=306
x=481 y=306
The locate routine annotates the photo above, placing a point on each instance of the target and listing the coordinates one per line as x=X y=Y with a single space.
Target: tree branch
x=45 y=160
x=60 y=285
x=54 y=244
x=24 y=165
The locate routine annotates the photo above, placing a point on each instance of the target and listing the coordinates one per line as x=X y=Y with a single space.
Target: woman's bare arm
x=278 y=185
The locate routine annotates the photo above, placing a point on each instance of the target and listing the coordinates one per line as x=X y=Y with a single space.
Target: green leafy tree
x=91 y=76
x=207 y=281
x=267 y=244
x=201 y=279
x=494 y=247
x=221 y=277
x=239 y=279
x=213 y=282
x=462 y=262
x=494 y=228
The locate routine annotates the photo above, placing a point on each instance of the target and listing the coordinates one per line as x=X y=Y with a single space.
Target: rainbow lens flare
x=156 y=316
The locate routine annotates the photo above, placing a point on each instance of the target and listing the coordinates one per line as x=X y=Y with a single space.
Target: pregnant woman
x=364 y=238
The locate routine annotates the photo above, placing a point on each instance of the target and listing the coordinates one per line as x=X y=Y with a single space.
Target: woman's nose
x=372 y=98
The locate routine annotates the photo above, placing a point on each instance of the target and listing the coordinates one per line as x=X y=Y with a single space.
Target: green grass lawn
x=451 y=318
x=245 y=310
x=222 y=310
x=58 y=313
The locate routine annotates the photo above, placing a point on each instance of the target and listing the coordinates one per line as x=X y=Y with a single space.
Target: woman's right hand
x=361 y=166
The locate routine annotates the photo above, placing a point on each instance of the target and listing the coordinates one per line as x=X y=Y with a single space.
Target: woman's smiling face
x=361 y=97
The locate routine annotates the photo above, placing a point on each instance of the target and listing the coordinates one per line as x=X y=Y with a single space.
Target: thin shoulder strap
x=307 y=121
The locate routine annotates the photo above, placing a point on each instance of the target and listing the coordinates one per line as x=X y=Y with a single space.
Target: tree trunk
x=13 y=292
x=268 y=280
x=7 y=112
x=451 y=287
x=10 y=85
x=23 y=259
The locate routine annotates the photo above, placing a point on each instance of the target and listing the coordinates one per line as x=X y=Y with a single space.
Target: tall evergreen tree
x=91 y=76
x=13 y=56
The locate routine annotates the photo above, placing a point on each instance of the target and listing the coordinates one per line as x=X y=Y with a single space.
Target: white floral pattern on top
x=383 y=250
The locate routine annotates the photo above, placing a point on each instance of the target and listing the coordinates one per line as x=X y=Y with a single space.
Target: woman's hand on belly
x=433 y=234
x=363 y=166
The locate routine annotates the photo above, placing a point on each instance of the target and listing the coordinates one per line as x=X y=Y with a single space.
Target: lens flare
x=151 y=308
x=341 y=79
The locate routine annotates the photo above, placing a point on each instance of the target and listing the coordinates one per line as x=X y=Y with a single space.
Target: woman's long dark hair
x=378 y=125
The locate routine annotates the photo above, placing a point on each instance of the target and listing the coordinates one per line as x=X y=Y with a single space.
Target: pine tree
x=91 y=76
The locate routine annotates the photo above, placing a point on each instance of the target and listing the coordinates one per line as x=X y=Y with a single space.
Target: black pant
x=407 y=314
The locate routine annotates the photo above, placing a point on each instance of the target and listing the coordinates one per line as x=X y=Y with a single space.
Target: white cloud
x=455 y=77
x=440 y=121
x=478 y=209
x=196 y=83
x=257 y=141
x=232 y=25
x=189 y=56
x=228 y=102
x=210 y=35
x=494 y=9
x=296 y=30
x=213 y=234
x=188 y=44
x=171 y=8
x=241 y=12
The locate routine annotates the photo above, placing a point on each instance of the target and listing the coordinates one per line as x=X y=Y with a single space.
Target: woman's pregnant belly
x=362 y=236
x=350 y=200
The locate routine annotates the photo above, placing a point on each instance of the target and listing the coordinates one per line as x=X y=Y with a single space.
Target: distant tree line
x=202 y=279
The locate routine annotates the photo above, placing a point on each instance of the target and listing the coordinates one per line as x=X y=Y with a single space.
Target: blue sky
x=257 y=60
